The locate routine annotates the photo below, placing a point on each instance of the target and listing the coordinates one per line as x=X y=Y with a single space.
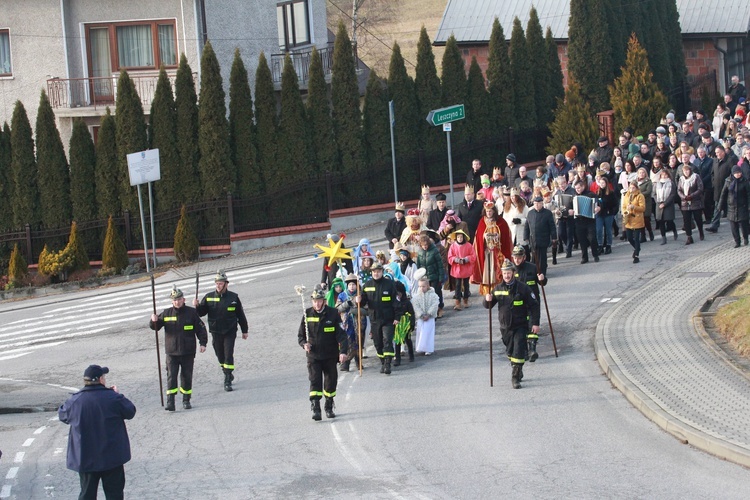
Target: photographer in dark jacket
x=98 y=444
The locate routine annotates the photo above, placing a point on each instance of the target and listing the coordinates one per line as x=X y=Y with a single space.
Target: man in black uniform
x=540 y=231
x=326 y=344
x=224 y=311
x=526 y=272
x=516 y=303
x=379 y=296
x=395 y=226
x=181 y=326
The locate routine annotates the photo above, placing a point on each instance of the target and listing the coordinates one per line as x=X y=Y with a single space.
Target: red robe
x=506 y=248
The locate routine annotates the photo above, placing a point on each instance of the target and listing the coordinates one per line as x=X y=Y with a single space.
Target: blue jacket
x=98 y=439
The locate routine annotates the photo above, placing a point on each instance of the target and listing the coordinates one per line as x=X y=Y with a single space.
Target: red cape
x=506 y=246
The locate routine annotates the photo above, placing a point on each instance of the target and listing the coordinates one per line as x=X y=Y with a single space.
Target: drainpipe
x=723 y=52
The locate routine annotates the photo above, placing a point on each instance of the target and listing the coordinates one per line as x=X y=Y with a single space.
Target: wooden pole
x=492 y=378
x=197 y=278
x=546 y=308
x=359 y=331
x=156 y=336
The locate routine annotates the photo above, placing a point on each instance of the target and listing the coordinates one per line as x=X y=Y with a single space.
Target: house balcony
x=73 y=97
x=301 y=60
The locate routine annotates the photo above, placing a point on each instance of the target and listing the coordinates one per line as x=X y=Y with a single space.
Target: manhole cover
x=697 y=275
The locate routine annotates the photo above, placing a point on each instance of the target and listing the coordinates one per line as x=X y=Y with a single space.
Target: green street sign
x=446 y=115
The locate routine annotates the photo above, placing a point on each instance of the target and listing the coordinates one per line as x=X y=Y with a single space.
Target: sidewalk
x=650 y=347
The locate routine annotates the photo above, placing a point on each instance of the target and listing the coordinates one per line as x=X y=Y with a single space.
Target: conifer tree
x=523 y=86
x=555 y=76
x=216 y=171
x=658 y=52
x=589 y=52
x=114 y=253
x=6 y=186
x=478 y=119
x=427 y=87
x=163 y=136
x=242 y=130
x=617 y=33
x=82 y=171
x=18 y=270
x=323 y=153
x=107 y=169
x=347 y=120
x=293 y=157
x=406 y=129
x=673 y=39
x=537 y=53
x=186 y=246
x=77 y=250
x=453 y=85
x=375 y=122
x=636 y=99
x=52 y=168
x=186 y=109
x=574 y=121
x=266 y=119
x=131 y=136
x=25 y=196
x=500 y=81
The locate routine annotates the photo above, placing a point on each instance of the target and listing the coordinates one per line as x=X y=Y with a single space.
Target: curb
x=672 y=424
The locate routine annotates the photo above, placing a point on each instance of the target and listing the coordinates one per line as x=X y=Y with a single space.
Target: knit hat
x=511 y=157
x=670 y=116
x=736 y=169
x=485 y=179
x=559 y=158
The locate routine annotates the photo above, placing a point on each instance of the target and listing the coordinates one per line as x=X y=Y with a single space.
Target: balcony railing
x=301 y=61
x=100 y=91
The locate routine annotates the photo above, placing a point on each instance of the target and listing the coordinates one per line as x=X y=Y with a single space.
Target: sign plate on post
x=446 y=115
x=447 y=127
x=143 y=167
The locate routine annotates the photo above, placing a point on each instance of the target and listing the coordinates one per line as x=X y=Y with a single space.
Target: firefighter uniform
x=224 y=314
x=322 y=330
x=379 y=296
x=517 y=304
x=182 y=326
x=526 y=272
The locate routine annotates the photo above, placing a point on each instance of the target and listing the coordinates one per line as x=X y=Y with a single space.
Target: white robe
x=425 y=304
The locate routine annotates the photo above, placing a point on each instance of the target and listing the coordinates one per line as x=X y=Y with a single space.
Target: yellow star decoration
x=334 y=252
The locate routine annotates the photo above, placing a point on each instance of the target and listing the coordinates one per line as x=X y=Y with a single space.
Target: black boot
x=533 y=356
x=515 y=377
x=554 y=256
x=228 y=380
x=170 y=402
x=607 y=249
x=410 y=346
x=700 y=233
x=674 y=230
x=382 y=365
x=387 y=366
x=397 y=361
x=186 y=402
x=663 y=239
x=329 y=408
x=345 y=366
x=315 y=407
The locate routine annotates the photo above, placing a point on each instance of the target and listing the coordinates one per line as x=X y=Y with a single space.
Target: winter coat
x=98 y=439
x=516 y=220
x=668 y=212
x=737 y=200
x=324 y=333
x=540 y=229
x=693 y=200
x=464 y=251
x=224 y=312
x=425 y=303
x=181 y=327
x=646 y=187
x=432 y=261
x=721 y=171
x=635 y=219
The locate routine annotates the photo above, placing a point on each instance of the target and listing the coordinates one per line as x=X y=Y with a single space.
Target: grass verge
x=733 y=320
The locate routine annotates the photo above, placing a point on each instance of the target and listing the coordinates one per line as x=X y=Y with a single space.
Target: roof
x=471 y=20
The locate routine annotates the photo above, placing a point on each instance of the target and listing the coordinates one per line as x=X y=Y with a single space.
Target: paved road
x=433 y=429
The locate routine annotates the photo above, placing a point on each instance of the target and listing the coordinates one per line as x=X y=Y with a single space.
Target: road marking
x=263 y=273
x=28 y=442
x=19 y=457
x=12 y=473
x=40 y=430
x=5 y=492
x=58 y=451
x=343 y=448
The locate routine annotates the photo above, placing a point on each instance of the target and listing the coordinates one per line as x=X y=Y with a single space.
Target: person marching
x=181 y=327
x=516 y=303
x=325 y=343
x=379 y=296
x=526 y=272
x=224 y=311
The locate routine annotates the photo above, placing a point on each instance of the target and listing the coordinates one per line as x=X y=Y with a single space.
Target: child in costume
x=425 y=302
x=402 y=332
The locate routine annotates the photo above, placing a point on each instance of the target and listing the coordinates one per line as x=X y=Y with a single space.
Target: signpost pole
x=393 y=151
x=143 y=228
x=450 y=163
x=445 y=117
x=151 y=212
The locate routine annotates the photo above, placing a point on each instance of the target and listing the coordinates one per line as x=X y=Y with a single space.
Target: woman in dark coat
x=665 y=194
x=690 y=191
x=736 y=195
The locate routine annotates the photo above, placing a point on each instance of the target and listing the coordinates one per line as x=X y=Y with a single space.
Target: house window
x=294 y=24
x=131 y=45
x=5 y=67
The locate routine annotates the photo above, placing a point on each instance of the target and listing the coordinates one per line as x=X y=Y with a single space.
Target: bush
x=53 y=263
x=186 y=246
x=114 y=254
x=77 y=250
x=18 y=270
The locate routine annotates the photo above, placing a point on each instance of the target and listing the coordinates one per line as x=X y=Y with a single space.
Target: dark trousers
x=516 y=347
x=715 y=220
x=690 y=215
x=634 y=238
x=667 y=225
x=540 y=254
x=113 y=483
x=182 y=365
x=224 y=349
x=708 y=204
x=323 y=377
x=735 y=228
x=586 y=232
x=439 y=291
x=462 y=288
x=382 y=337
x=566 y=232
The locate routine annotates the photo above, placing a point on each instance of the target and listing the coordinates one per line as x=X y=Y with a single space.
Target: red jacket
x=461 y=251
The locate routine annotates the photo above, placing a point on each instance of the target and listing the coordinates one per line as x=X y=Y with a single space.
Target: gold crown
x=425 y=189
x=468 y=189
x=400 y=207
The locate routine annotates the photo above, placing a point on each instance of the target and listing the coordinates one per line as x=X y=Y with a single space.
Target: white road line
x=28 y=442
x=343 y=448
x=80 y=319
x=14 y=356
x=12 y=473
x=5 y=491
x=19 y=457
x=40 y=430
x=27 y=350
x=56 y=337
x=58 y=451
x=35 y=318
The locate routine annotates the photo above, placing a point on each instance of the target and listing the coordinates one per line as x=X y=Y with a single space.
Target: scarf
x=663 y=190
x=687 y=183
